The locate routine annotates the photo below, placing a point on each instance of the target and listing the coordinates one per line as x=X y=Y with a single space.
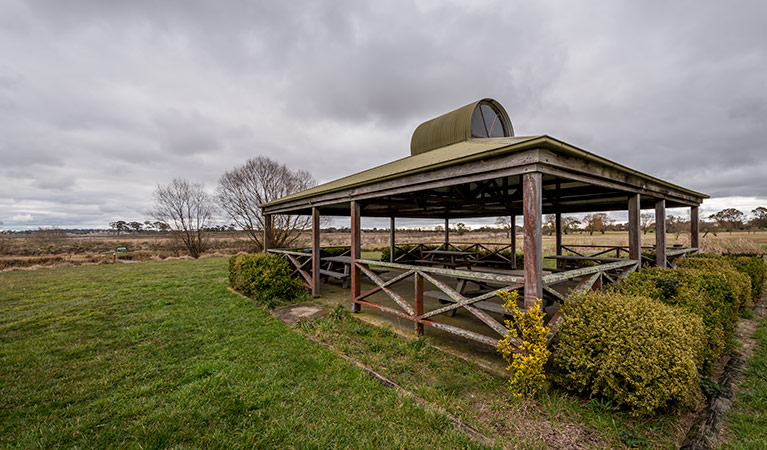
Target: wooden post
x=635 y=235
x=447 y=232
x=316 y=252
x=355 y=275
x=418 y=279
x=532 y=204
x=513 y=221
x=660 y=233
x=267 y=232
x=694 y=229
x=391 y=239
x=558 y=231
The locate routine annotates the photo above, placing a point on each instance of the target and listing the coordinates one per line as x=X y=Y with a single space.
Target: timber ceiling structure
x=468 y=163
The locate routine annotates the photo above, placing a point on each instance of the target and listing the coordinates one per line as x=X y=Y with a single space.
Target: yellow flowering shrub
x=524 y=347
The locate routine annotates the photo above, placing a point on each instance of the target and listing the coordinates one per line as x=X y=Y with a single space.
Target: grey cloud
x=100 y=101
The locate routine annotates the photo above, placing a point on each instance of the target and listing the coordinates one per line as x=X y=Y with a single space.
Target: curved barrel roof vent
x=485 y=118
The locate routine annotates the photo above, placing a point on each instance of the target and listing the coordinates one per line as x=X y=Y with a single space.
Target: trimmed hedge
x=713 y=296
x=632 y=349
x=265 y=278
x=751 y=265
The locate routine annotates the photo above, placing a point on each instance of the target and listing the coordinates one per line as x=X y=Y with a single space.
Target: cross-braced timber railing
x=592 y=278
x=409 y=252
x=487 y=253
x=673 y=254
x=301 y=262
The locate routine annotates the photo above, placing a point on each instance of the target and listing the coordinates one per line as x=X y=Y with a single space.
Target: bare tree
x=187 y=209
x=505 y=223
x=676 y=225
x=646 y=222
x=261 y=180
x=597 y=222
x=549 y=224
x=570 y=224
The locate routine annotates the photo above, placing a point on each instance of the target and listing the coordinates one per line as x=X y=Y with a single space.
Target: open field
x=159 y=355
x=25 y=250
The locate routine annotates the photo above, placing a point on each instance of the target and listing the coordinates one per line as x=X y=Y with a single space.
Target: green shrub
x=264 y=277
x=739 y=281
x=334 y=251
x=715 y=297
x=754 y=267
x=632 y=349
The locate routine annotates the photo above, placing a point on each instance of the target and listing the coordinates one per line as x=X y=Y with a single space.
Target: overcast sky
x=102 y=100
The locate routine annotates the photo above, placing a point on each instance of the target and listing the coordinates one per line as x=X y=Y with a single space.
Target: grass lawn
x=748 y=417
x=555 y=419
x=157 y=355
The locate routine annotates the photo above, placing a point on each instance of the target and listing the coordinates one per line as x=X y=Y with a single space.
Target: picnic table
x=449 y=258
x=339 y=268
x=565 y=262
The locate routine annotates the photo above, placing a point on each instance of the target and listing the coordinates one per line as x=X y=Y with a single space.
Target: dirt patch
x=291 y=314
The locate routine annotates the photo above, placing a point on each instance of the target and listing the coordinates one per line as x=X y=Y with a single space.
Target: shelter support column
x=392 y=229
x=635 y=236
x=533 y=239
x=447 y=232
x=558 y=231
x=660 y=233
x=418 y=280
x=513 y=234
x=316 y=252
x=694 y=228
x=267 y=232
x=355 y=250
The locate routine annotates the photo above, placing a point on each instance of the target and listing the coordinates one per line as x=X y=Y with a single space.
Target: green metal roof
x=461 y=152
x=451 y=128
x=422 y=162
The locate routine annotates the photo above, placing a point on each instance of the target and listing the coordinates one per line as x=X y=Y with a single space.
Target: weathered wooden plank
x=513 y=223
x=461 y=332
x=298 y=265
x=554 y=278
x=380 y=283
x=316 y=253
x=660 y=233
x=418 y=284
x=558 y=232
x=355 y=238
x=694 y=228
x=533 y=243
x=470 y=301
x=267 y=232
x=455 y=295
x=587 y=282
x=469 y=274
x=555 y=294
x=392 y=246
x=635 y=232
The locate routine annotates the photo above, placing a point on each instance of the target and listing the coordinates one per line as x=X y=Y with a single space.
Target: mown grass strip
x=748 y=417
x=158 y=355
